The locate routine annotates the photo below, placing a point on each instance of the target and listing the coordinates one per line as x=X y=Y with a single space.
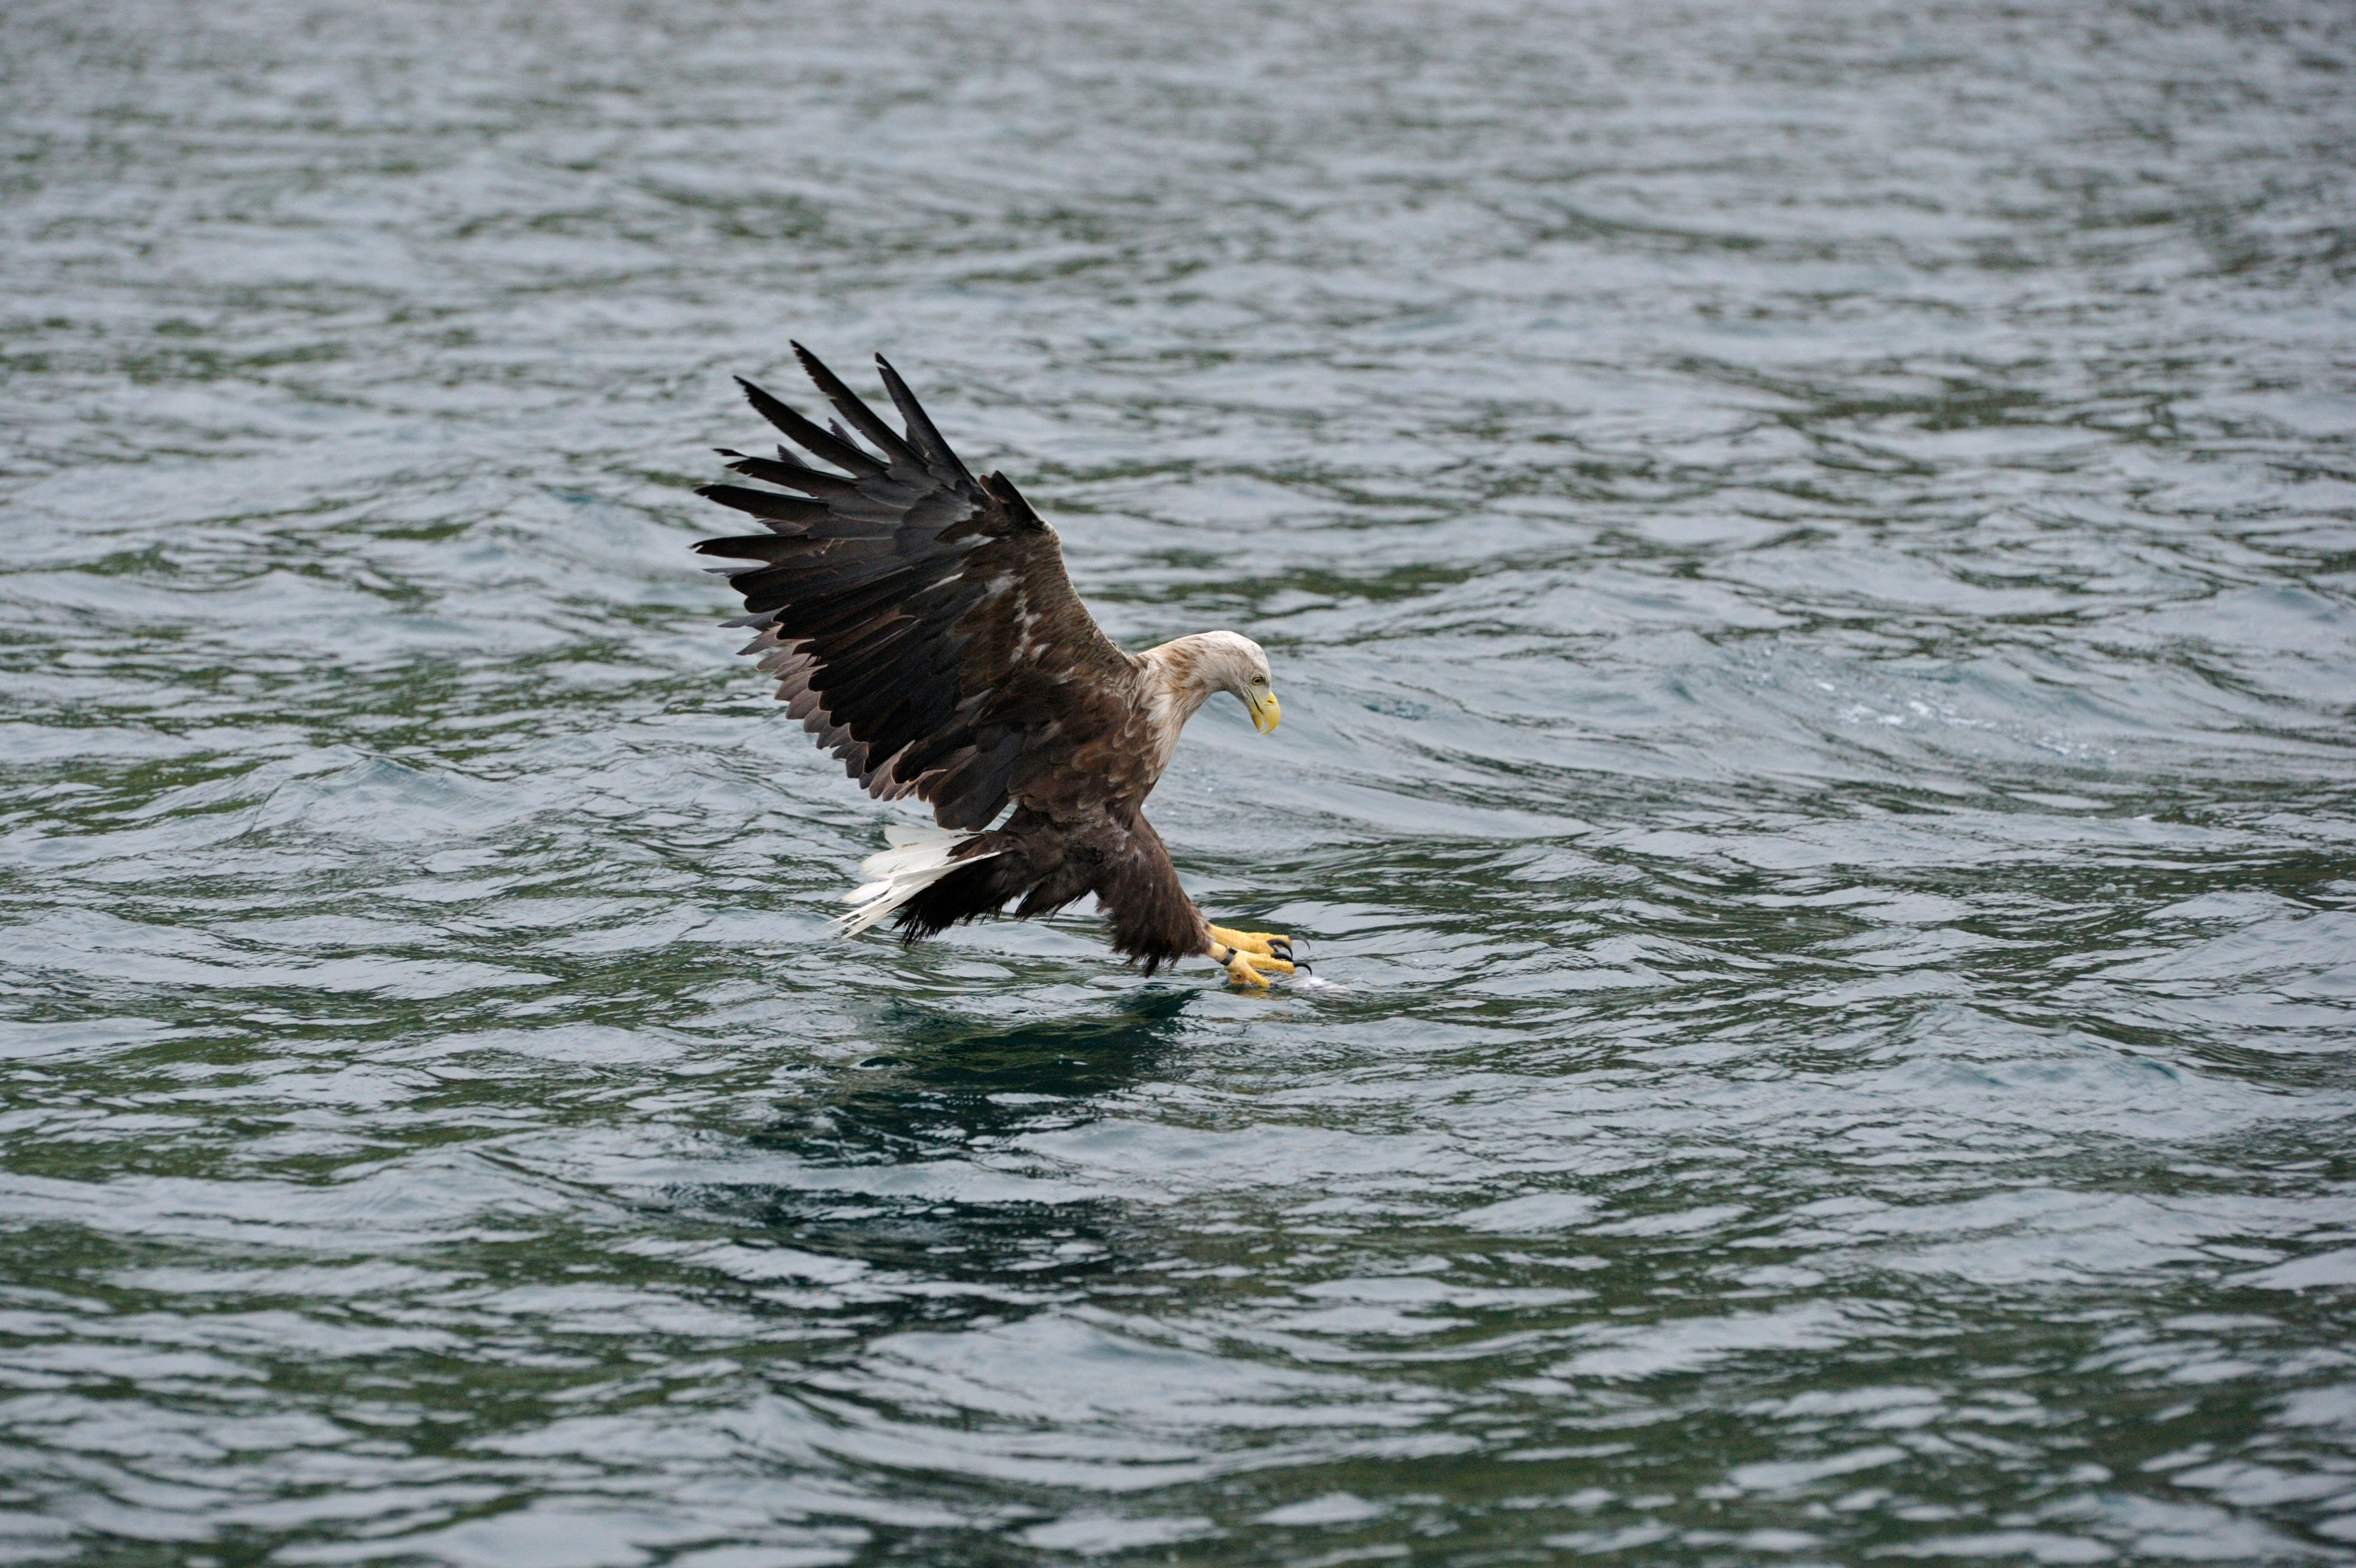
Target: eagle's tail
x=919 y=858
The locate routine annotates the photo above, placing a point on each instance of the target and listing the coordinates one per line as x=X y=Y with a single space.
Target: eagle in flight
x=920 y=624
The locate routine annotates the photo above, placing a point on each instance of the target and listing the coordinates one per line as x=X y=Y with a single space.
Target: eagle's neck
x=1180 y=677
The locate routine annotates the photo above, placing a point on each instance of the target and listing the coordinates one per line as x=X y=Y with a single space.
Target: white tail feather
x=919 y=858
x=915 y=857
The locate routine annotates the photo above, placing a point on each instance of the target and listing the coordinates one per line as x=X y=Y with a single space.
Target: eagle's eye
x=1260 y=680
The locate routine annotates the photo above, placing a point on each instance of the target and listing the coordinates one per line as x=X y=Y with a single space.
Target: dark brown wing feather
x=920 y=623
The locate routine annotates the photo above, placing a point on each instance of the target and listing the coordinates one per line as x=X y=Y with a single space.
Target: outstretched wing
x=919 y=620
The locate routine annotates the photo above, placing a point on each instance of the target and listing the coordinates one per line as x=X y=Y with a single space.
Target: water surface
x=1810 y=557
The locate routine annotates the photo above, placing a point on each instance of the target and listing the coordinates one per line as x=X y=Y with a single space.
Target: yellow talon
x=1244 y=954
x=1244 y=968
x=1262 y=944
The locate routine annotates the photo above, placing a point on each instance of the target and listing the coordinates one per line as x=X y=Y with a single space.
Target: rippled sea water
x=1810 y=556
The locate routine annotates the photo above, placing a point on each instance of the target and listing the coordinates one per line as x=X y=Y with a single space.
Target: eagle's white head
x=1194 y=669
x=1237 y=664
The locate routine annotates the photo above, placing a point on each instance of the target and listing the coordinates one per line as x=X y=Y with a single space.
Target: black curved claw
x=1281 y=949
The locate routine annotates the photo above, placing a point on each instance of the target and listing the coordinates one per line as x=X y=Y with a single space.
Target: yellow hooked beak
x=1264 y=711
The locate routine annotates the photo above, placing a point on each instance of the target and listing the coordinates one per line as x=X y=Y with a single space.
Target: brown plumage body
x=921 y=625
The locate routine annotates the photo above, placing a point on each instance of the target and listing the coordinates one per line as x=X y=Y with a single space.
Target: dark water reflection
x=1809 y=552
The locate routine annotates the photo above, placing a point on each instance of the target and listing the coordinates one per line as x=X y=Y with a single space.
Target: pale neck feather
x=1179 y=680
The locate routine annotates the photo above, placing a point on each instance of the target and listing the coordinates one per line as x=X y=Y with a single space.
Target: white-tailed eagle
x=921 y=625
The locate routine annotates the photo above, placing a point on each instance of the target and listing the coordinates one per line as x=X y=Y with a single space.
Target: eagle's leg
x=1244 y=968
x=1265 y=944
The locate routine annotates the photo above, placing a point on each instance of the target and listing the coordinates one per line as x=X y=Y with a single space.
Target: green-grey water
x=1810 y=558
